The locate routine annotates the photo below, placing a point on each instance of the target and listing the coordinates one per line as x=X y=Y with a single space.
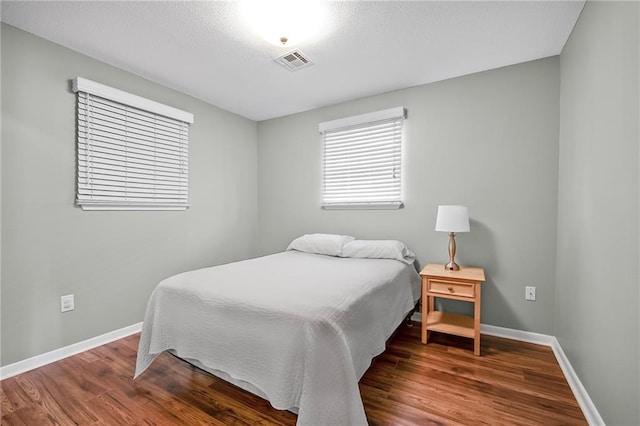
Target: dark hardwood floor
x=512 y=383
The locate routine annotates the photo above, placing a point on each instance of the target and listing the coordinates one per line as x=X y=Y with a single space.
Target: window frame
x=157 y=121
x=352 y=124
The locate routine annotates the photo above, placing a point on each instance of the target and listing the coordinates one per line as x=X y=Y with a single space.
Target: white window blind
x=132 y=152
x=362 y=160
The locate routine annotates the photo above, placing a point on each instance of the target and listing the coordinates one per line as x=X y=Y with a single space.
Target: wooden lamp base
x=452 y=266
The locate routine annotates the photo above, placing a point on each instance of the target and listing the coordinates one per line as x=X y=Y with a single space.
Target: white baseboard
x=582 y=397
x=58 y=354
x=522 y=336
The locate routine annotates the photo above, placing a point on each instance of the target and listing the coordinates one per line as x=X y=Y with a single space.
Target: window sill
x=363 y=206
x=132 y=207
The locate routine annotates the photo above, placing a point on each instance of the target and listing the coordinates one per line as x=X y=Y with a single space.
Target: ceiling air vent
x=293 y=60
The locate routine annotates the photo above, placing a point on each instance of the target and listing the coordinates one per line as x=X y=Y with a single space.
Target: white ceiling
x=208 y=50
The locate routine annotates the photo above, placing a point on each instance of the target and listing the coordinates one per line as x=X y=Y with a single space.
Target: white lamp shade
x=452 y=219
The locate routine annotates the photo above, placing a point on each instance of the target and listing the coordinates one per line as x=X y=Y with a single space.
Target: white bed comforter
x=302 y=328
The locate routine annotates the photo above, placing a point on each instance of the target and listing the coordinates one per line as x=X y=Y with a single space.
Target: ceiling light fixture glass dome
x=285 y=22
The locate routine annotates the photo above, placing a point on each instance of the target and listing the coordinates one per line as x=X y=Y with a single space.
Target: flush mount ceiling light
x=285 y=22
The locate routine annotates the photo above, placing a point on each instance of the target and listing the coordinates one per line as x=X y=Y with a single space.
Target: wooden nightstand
x=458 y=285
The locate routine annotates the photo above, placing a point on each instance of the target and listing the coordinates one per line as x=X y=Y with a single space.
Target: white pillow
x=379 y=249
x=328 y=244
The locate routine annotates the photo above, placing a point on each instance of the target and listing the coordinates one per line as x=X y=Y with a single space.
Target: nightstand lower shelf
x=444 y=322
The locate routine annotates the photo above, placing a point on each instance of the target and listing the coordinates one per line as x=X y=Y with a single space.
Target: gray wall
x=110 y=260
x=596 y=317
x=488 y=141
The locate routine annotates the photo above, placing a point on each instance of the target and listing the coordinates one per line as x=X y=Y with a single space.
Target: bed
x=298 y=328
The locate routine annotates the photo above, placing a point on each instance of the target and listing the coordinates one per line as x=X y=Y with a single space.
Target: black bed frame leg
x=407 y=319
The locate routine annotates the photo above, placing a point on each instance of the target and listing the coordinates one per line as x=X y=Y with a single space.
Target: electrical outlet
x=530 y=293
x=67 y=303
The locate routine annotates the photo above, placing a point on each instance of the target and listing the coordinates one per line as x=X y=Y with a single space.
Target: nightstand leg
x=424 y=310
x=430 y=308
x=476 y=323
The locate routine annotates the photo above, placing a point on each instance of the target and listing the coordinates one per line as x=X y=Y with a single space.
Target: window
x=361 y=161
x=132 y=152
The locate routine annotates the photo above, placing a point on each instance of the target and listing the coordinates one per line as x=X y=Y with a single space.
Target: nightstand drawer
x=451 y=288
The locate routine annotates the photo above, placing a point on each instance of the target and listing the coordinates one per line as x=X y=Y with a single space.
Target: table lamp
x=452 y=219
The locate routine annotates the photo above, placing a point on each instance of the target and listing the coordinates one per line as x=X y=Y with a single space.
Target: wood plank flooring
x=512 y=383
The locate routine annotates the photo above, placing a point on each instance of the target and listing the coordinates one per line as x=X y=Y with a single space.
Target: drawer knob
x=450 y=289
